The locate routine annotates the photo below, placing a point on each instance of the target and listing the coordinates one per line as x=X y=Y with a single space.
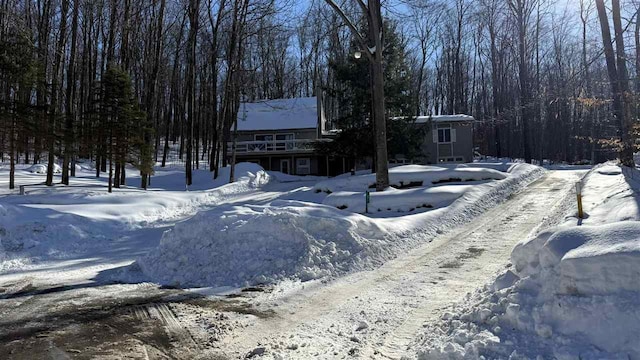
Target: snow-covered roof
x=444 y=118
x=279 y=114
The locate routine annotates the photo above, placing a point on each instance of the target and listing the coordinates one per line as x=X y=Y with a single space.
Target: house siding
x=461 y=149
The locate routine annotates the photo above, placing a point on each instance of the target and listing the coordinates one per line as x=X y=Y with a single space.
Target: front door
x=284 y=166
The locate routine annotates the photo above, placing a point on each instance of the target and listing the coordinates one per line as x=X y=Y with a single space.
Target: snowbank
x=573 y=291
x=167 y=179
x=258 y=244
x=252 y=172
x=411 y=175
x=398 y=200
x=243 y=245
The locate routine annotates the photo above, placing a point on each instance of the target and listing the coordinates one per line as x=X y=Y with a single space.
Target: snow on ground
x=256 y=244
x=414 y=187
x=83 y=227
x=42 y=169
x=573 y=290
x=411 y=175
x=399 y=200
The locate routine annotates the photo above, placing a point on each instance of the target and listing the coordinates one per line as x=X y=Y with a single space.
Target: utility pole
x=372 y=47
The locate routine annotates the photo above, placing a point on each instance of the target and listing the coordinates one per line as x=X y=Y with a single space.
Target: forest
x=125 y=82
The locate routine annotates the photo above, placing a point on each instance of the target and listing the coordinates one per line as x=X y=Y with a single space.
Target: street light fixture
x=357 y=55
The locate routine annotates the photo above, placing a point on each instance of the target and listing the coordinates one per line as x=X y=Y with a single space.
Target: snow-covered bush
x=411 y=176
x=42 y=169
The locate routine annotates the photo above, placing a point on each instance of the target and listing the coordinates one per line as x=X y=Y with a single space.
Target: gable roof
x=444 y=118
x=279 y=114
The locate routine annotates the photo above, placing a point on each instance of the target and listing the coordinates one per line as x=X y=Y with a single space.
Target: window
x=283 y=143
x=284 y=136
x=303 y=166
x=444 y=135
x=264 y=137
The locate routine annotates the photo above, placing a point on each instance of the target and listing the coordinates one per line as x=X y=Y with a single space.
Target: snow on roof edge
x=444 y=118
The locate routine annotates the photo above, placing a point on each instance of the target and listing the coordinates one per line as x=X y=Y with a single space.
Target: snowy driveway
x=378 y=313
x=373 y=313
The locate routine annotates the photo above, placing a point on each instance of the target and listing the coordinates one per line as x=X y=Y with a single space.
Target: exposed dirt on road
x=115 y=322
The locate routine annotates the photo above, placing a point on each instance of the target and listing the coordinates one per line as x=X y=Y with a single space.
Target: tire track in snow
x=163 y=313
x=496 y=237
x=396 y=299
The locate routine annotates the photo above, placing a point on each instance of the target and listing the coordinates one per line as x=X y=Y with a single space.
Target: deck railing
x=250 y=147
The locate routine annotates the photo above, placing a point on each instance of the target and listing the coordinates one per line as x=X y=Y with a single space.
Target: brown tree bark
x=153 y=85
x=521 y=10
x=617 y=79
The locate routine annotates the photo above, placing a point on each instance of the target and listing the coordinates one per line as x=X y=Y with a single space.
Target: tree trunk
x=54 y=92
x=71 y=83
x=194 y=7
x=615 y=77
x=379 y=115
x=637 y=40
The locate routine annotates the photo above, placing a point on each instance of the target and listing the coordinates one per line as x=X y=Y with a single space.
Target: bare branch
x=354 y=30
x=363 y=6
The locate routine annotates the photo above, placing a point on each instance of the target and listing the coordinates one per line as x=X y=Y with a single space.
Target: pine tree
x=126 y=126
x=356 y=140
x=17 y=76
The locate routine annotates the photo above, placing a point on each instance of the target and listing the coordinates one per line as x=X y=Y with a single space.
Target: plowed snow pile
x=257 y=244
x=245 y=245
x=573 y=292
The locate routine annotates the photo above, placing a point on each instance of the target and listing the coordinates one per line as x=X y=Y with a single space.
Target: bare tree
x=194 y=15
x=70 y=96
x=618 y=78
x=522 y=10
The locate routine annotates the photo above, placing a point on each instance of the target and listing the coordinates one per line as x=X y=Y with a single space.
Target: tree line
x=124 y=82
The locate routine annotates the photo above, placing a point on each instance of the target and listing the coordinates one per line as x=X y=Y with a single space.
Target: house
x=450 y=138
x=280 y=136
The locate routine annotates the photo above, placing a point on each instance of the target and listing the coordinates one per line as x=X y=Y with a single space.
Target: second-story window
x=276 y=142
x=264 y=137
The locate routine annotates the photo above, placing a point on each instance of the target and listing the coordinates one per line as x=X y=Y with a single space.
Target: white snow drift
x=59 y=223
x=573 y=292
x=236 y=246
x=411 y=175
x=413 y=187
